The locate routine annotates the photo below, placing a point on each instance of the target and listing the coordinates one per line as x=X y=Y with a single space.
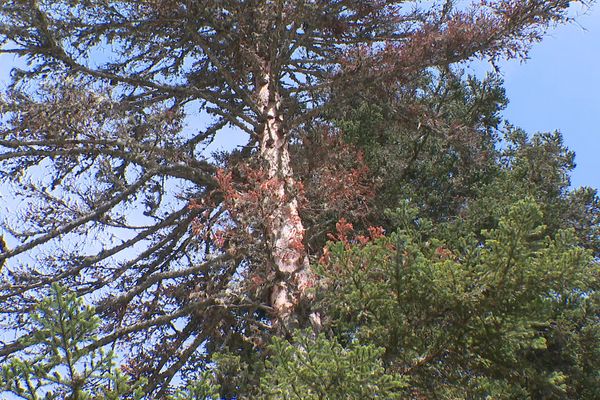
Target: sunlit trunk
x=284 y=228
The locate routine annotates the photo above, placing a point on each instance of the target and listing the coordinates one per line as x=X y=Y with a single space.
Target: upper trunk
x=284 y=229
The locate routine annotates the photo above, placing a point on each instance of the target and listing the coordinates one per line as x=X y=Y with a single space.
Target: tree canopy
x=364 y=156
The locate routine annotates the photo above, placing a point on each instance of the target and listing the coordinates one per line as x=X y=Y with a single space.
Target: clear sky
x=558 y=88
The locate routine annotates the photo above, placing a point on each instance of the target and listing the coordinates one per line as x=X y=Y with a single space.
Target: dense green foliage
x=431 y=141
x=512 y=316
x=486 y=285
x=440 y=144
x=320 y=368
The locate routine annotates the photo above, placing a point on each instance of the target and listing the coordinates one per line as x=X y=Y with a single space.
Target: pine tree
x=512 y=315
x=320 y=368
x=189 y=255
x=62 y=361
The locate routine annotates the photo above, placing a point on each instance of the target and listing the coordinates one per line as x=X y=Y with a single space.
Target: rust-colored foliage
x=204 y=255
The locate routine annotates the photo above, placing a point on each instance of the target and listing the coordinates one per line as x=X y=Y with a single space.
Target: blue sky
x=558 y=88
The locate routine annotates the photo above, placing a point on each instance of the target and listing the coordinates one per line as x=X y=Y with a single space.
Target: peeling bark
x=284 y=228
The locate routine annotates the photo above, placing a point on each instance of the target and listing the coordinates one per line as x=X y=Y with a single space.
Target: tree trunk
x=284 y=229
